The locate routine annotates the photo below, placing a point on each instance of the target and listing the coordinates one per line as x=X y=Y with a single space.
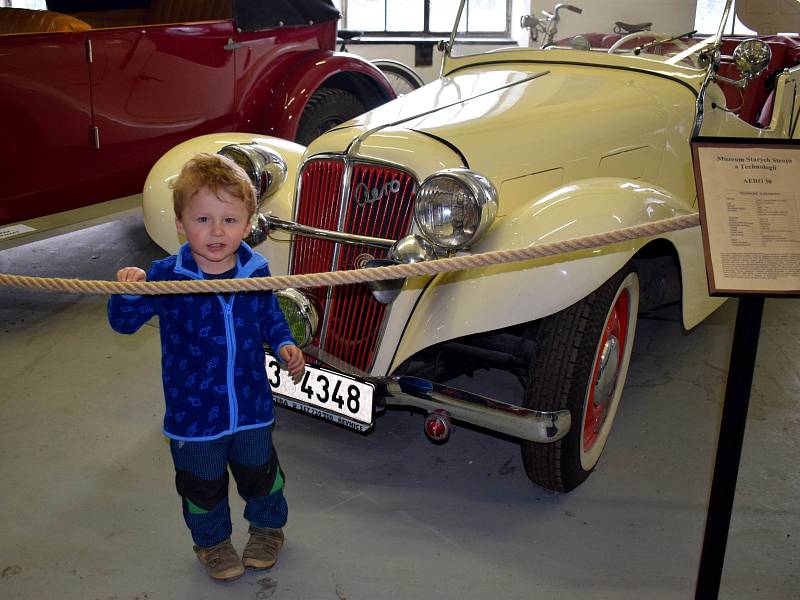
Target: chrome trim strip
x=324 y=234
x=500 y=417
x=700 y=104
x=355 y=145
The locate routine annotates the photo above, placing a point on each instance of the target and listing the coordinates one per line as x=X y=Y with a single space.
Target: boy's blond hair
x=214 y=172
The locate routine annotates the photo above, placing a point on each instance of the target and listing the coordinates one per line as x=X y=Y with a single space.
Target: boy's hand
x=293 y=358
x=131 y=274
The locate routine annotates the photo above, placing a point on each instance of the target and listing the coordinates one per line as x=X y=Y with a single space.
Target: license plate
x=325 y=394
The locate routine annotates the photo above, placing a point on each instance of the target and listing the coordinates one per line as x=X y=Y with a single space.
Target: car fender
x=323 y=69
x=159 y=218
x=478 y=300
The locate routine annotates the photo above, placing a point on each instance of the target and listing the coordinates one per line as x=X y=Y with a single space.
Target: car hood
x=494 y=117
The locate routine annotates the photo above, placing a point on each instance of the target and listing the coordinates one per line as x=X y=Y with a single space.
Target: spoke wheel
x=581 y=362
x=403 y=79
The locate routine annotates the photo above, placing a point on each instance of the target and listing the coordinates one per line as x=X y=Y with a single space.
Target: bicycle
x=402 y=78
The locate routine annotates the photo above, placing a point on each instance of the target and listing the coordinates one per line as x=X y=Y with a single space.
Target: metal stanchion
x=729 y=446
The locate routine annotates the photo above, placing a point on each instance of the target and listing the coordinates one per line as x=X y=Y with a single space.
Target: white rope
x=445 y=265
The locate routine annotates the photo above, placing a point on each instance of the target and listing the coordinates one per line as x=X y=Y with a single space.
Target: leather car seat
x=24 y=20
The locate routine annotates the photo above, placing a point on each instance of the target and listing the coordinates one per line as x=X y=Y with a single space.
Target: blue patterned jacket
x=212 y=359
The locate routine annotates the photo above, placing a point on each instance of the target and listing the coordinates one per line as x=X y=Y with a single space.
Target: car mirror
x=752 y=57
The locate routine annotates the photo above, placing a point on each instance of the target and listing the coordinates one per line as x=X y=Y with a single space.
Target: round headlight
x=265 y=168
x=455 y=207
x=300 y=314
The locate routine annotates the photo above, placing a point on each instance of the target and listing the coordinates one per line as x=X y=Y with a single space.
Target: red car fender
x=324 y=69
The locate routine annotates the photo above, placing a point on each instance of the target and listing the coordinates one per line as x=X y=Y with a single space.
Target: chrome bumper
x=501 y=417
x=492 y=415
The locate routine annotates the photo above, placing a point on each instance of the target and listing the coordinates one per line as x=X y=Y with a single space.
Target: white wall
x=669 y=16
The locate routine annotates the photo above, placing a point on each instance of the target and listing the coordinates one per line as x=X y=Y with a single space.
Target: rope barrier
x=444 y=265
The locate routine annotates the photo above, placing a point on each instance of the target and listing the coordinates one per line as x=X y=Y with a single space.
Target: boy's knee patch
x=201 y=493
x=255 y=481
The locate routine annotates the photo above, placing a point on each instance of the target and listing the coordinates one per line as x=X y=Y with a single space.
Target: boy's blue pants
x=201 y=477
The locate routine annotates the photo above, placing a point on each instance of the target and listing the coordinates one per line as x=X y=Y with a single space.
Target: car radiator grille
x=377 y=203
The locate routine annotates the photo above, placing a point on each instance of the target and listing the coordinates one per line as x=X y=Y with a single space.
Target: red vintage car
x=91 y=96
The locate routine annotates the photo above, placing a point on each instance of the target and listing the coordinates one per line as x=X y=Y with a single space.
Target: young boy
x=219 y=409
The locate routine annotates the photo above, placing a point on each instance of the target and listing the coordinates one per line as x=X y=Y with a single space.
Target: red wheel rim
x=607 y=362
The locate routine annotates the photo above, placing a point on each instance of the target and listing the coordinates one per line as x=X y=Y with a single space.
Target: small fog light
x=300 y=314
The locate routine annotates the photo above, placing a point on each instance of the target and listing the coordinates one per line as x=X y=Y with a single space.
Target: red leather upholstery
x=610 y=39
x=765 y=116
x=756 y=99
x=23 y=20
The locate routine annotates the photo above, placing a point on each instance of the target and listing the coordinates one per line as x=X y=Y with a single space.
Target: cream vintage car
x=579 y=135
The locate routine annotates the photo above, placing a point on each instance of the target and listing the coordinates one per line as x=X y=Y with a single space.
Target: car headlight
x=300 y=314
x=265 y=168
x=454 y=207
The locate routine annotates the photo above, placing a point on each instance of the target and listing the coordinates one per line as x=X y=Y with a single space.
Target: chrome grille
x=378 y=203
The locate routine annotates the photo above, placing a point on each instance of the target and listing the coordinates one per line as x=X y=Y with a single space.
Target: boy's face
x=214 y=225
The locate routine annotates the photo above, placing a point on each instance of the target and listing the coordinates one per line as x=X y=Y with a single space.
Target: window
x=37 y=4
x=707 y=17
x=425 y=17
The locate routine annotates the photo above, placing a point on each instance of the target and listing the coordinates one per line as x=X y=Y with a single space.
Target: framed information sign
x=749 y=195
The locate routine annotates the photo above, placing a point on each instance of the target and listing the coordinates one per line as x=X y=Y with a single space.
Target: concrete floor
x=89 y=511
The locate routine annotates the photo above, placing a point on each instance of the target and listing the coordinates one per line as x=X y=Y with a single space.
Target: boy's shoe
x=221 y=561
x=261 y=550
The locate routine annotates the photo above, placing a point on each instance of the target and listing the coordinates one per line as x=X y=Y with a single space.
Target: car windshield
x=591 y=26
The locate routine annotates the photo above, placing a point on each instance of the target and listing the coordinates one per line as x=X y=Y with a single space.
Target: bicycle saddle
x=625 y=28
x=348 y=35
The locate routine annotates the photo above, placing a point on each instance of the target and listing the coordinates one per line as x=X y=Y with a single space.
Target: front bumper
x=493 y=415
x=464 y=406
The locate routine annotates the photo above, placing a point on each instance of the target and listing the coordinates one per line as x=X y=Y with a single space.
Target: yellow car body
x=574 y=143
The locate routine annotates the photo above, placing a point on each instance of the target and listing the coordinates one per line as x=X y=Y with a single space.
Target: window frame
x=733 y=27
x=426 y=32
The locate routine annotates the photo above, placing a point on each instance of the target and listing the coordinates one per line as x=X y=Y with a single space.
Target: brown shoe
x=261 y=550
x=221 y=561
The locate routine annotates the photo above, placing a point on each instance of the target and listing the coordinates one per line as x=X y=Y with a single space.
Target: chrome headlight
x=300 y=314
x=265 y=168
x=454 y=207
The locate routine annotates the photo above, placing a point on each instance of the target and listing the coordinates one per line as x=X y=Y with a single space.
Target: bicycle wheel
x=403 y=78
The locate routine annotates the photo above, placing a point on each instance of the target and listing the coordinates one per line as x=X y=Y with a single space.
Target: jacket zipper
x=230 y=337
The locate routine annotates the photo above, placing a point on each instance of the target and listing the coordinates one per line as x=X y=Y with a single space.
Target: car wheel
x=580 y=364
x=327 y=108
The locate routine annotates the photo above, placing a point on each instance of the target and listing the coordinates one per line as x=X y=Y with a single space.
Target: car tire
x=327 y=108
x=565 y=373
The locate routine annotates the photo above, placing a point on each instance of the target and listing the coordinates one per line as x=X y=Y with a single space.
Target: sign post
x=750 y=221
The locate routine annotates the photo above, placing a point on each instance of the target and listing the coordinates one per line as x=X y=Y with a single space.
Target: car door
x=45 y=114
x=152 y=88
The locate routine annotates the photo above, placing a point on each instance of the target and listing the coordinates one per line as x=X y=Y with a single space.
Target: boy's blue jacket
x=212 y=359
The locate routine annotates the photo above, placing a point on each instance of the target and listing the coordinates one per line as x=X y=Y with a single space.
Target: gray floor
x=89 y=511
